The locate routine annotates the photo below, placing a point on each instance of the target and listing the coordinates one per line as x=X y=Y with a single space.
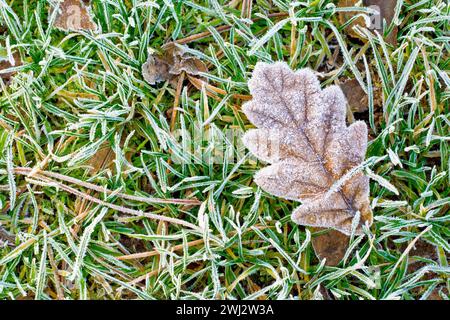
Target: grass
x=79 y=101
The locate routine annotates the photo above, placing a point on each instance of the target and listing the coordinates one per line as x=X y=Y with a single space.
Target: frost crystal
x=303 y=135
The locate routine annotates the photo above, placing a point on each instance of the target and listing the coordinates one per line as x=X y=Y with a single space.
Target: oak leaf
x=303 y=135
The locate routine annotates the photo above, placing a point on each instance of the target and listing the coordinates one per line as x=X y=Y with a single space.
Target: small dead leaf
x=6 y=64
x=386 y=9
x=303 y=135
x=437 y=292
x=155 y=70
x=357 y=99
x=355 y=95
x=331 y=245
x=425 y=250
x=421 y=249
x=169 y=65
x=346 y=16
x=74 y=15
x=102 y=159
x=5 y=236
x=325 y=293
x=132 y=244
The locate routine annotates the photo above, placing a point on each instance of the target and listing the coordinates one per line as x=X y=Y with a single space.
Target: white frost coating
x=303 y=135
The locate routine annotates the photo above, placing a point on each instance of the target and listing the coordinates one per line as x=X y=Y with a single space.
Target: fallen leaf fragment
x=5 y=63
x=346 y=16
x=303 y=135
x=169 y=65
x=355 y=95
x=424 y=250
x=386 y=10
x=74 y=15
x=331 y=245
x=102 y=159
x=155 y=70
x=5 y=236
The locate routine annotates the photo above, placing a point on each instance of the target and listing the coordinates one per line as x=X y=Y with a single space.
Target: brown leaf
x=155 y=70
x=169 y=65
x=74 y=15
x=5 y=236
x=355 y=95
x=303 y=135
x=6 y=64
x=102 y=159
x=331 y=245
x=325 y=293
x=424 y=250
x=346 y=16
x=357 y=99
x=386 y=9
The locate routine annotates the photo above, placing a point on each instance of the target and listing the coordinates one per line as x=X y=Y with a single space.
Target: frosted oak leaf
x=301 y=132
